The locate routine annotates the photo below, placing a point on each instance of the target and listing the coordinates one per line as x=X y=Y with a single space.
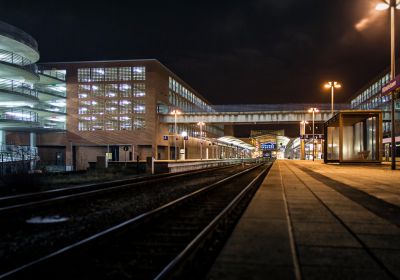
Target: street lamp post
x=175 y=113
x=332 y=85
x=313 y=111
x=302 y=145
x=201 y=138
x=392 y=5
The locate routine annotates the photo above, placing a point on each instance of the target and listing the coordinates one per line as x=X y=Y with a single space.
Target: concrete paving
x=310 y=220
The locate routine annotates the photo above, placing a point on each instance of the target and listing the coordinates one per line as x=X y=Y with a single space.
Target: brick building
x=115 y=104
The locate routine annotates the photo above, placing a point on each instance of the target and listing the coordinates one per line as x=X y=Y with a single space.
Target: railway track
x=16 y=202
x=156 y=244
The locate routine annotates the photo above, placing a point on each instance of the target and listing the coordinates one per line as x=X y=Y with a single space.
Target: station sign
x=185 y=137
x=392 y=85
x=165 y=137
x=268 y=146
x=310 y=136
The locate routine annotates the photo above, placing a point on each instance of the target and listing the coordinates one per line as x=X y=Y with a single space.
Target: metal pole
x=201 y=142
x=332 y=91
x=175 y=137
x=392 y=76
x=184 y=149
x=302 y=141
x=313 y=137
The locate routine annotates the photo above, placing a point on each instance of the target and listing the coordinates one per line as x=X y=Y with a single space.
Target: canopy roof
x=236 y=142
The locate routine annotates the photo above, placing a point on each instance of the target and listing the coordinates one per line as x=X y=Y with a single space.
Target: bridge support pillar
x=3 y=137
x=32 y=154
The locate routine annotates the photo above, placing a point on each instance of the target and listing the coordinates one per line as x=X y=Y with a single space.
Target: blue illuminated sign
x=268 y=146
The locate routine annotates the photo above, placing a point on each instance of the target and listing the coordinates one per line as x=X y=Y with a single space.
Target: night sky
x=250 y=51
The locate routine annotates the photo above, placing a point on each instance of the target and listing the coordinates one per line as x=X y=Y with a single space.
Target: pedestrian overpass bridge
x=256 y=114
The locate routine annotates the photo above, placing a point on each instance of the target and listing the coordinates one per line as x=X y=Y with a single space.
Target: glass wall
x=357 y=139
x=185 y=100
x=182 y=98
x=111 y=98
x=371 y=98
x=332 y=142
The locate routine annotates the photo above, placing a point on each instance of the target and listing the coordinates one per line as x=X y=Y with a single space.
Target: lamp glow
x=382 y=6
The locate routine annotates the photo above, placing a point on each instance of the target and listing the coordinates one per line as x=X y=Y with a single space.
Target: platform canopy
x=236 y=142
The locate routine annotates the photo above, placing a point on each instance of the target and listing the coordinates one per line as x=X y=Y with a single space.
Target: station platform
x=310 y=220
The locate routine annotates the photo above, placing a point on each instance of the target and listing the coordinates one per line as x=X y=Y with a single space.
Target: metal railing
x=277 y=107
x=16 y=86
x=16 y=159
x=49 y=108
x=17 y=60
x=243 y=108
x=49 y=124
x=17 y=34
x=52 y=73
x=52 y=92
x=18 y=115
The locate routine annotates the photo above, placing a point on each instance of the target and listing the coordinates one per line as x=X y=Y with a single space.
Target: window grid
x=111 y=106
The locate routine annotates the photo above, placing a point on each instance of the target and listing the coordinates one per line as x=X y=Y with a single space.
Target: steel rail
x=133 y=221
x=83 y=190
x=193 y=245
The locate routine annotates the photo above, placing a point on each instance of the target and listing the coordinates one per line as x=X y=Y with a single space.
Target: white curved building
x=31 y=101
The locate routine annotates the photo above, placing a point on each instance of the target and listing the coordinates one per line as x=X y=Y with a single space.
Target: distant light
x=58 y=103
x=125 y=86
x=176 y=112
x=20 y=115
x=332 y=84
x=382 y=6
x=184 y=134
x=12 y=104
x=57 y=119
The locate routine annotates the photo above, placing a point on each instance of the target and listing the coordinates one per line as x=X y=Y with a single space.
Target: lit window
x=139 y=73
x=125 y=73
x=82 y=110
x=97 y=90
x=97 y=74
x=111 y=74
x=139 y=107
x=111 y=90
x=84 y=75
x=138 y=123
x=111 y=125
x=83 y=126
x=125 y=90
x=139 y=90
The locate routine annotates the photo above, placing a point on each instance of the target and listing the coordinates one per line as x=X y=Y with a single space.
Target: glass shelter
x=353 y=136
